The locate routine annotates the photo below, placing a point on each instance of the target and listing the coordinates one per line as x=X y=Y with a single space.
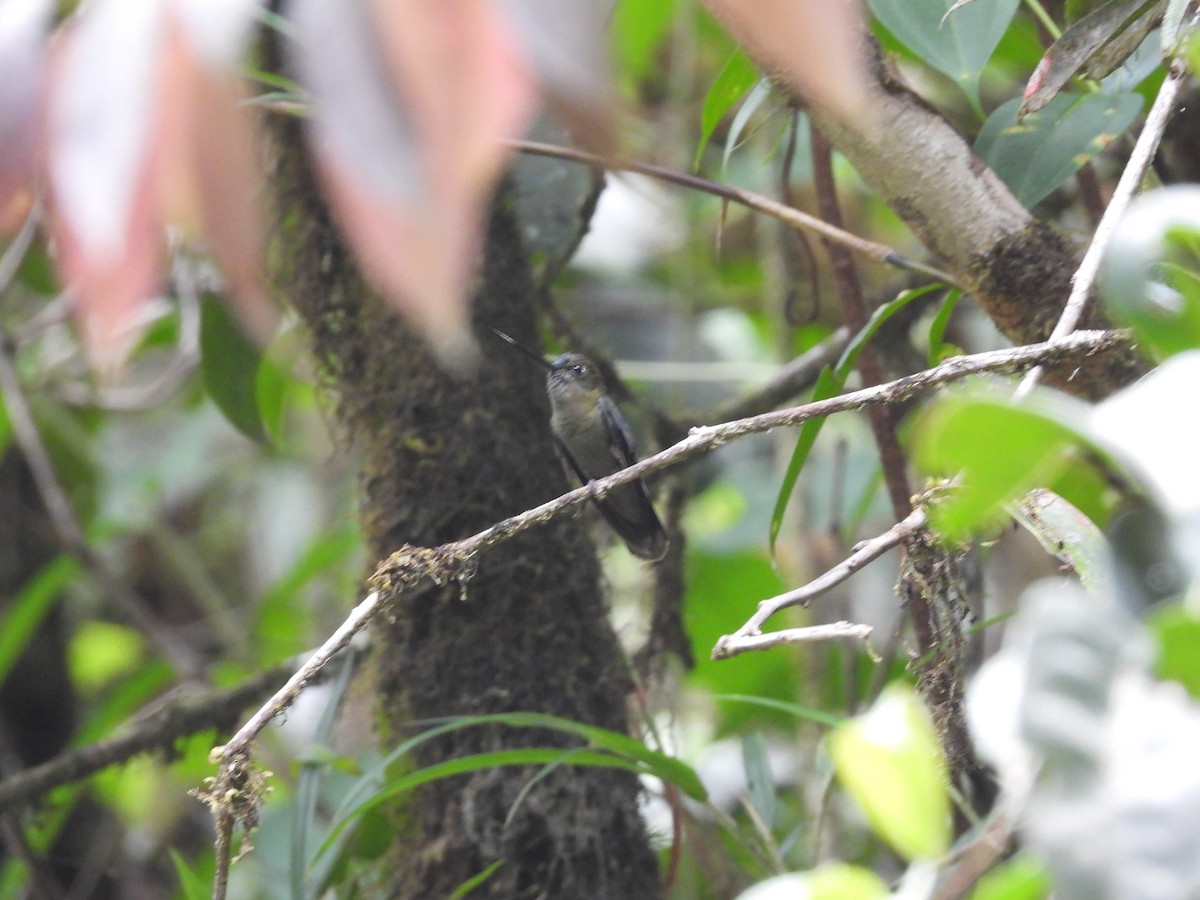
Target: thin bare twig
x=864 y=553
x=786 y=214
x=14 y=253
x=53 y=312
x=729 y=645
x=791 y=263
x=234 y=794
x=176 y=652
x=223 y=850
x=1084 y=278
x=182 y=361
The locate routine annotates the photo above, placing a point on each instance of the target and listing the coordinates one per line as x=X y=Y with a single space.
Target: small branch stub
x=750 y=636
x=233 y=796
x=732 y=645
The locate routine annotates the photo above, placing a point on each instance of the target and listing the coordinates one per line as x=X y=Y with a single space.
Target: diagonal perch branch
x=407 y=571
x=404 y=570
x=1077 y=347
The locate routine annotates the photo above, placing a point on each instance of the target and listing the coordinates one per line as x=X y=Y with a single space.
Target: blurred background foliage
x=209 y=480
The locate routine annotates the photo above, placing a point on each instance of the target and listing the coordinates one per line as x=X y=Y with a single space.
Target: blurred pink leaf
x=23 y=28
x=412 y=103
x=817 y=46
x=218 y=32
x=140 y=132
x=566 y=42
x=211 y=177
x=103 y=192
x=1096 y=44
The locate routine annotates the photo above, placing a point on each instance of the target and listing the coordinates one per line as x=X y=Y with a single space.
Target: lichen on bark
x=440 y=457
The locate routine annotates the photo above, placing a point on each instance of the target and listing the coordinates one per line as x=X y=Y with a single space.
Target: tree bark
x=440 y=457
x=1017 y=268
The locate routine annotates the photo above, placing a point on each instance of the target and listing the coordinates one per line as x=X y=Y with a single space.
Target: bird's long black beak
x=536 y=357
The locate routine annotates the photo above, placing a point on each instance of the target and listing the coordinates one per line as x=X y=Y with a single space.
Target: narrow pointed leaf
x=229 y=361
x=890 y=763
x=754 y=100
x=1079 y=43
x=829 y=383
x=760 y=782
x=736 y=77
x=1037 y=154
x=612 y=749
x=958 y=44
x=939 y=350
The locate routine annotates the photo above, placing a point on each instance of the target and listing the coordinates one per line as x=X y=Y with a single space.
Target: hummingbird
x=593 y=439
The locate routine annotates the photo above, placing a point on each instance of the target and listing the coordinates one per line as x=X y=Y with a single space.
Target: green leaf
x=308 y=786
x=841 y=881
x=37 y=271
x=1173 y=29
x=1149 y=276
x=282 y=630
x=123 y=699
x=192 y=886
x=889 y=761
x=1019 y=878
x=272 y=390
x=1096 y=43
x=639 y=27
x=829 y=881
x=464 y=889
x=733 y=81
x=101 y=652
x=712 y=580
x=1067 y=534
x=845 y=363
x=5 y=428
x=1178 y=633
x=939 y=350
x=476 y=762
x=959 y=46
x=829 y=383
x=999 y=451
x=760 y=782
x=30 y=606
x=606 y=748
x=527 y=788
x=1037 y=154
x=229 y=362
x=755 y=99
x=793 y=709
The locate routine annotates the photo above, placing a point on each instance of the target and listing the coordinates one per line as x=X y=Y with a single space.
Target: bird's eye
x=578 y=370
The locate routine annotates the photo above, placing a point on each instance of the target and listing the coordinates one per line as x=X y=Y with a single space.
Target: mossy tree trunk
x=440 y=458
